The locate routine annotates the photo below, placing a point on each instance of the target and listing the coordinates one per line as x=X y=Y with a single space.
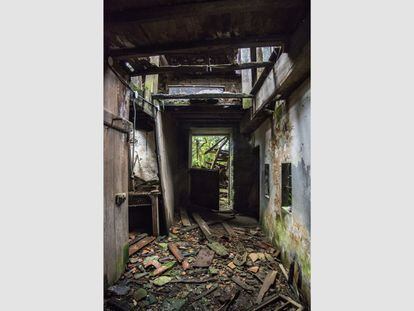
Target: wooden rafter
x=272 y=59
x=200 y=68
x=200 y=46
x=201 y=96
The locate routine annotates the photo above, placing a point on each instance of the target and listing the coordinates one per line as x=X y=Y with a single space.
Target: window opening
x=286 y=184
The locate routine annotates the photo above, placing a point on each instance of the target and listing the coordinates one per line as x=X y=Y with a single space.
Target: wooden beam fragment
x=203 y=226
x=290 y=300
x=212 y=289
x=228 y=228
x=269 y=280
x=191 y=281
x=284 y=271
x=242 y=284
x=217 y=153
x=185 y=220
x=175 y=251
x=137 y=238
x=272 y=60
x=137 y=246
x=266 y=302
x=211 y=222
x=155 y=214
x=215 y=145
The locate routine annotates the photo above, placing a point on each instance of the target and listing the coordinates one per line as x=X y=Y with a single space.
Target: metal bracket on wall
x=120 y=198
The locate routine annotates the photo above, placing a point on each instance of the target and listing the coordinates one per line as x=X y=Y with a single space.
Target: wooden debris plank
x=276 y=255
x=204 y=258
x=269 y=280
x=282 y=306
x=296 y=304
x=284 y=272
x=263 y=245
x=155 y=214
x=212 y=289
x=211 y=222
x=242 y=284
x=194 y=280
x=266 y=302
x=228 y=229
x=137 y=238
x=175 y=251
x=203 y=226
x=185 y=220
x=140 y=244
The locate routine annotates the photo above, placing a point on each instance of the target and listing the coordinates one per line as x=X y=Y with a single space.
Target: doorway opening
x=210 y=162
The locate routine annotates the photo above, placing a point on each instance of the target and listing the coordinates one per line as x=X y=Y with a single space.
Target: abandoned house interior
x=207 y=155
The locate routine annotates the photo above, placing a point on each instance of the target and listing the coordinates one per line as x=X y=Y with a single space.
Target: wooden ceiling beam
x=201 y=96
x=190 y=69
x=201 y=46
x=183 y=10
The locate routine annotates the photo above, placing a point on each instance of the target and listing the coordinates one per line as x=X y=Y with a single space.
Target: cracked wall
x=286 y=138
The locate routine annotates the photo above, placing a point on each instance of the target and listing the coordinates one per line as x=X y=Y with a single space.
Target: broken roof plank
x=208 y=69
x=272 y=60
x=200 y=96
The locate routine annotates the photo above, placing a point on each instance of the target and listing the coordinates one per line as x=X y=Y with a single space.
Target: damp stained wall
x=116 y=149
x=285 y=137
x=146 y=167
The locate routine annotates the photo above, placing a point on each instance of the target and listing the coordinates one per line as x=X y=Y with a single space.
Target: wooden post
x=155 y=215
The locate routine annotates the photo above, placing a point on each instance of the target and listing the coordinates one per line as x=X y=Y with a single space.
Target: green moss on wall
x=122 y=260
x=247 y=103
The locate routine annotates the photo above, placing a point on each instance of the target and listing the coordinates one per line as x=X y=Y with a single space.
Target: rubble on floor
x=217 y=266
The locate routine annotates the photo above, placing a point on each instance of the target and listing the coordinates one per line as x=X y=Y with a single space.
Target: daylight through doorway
x=212 y=152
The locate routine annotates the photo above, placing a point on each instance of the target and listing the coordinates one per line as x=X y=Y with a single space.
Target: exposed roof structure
x=198 y=31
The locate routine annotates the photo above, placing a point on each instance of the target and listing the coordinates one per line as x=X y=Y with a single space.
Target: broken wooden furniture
x=142 y=199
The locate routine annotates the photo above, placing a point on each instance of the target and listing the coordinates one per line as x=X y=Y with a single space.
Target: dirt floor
x=226 y=265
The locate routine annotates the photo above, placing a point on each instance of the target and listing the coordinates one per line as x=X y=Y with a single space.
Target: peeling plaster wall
x=146 y=164
x=286 y=138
